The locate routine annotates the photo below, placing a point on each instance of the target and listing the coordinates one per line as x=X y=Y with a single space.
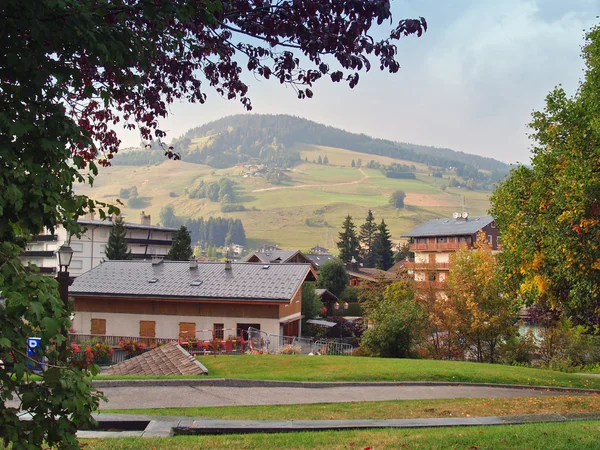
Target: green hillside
x=306 y=209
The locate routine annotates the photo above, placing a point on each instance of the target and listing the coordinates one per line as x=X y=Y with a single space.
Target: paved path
x=127 y=397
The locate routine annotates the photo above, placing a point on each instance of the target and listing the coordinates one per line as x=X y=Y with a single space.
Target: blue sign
x=34 y=352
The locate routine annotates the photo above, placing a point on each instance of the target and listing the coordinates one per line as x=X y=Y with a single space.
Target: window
x=493 y=224
x=490 y=239
x=99 y=326
x=187 y=330
x=147 y=328
x=77 y=247
x=218 y=330
x=432 y=276
x=76 y=264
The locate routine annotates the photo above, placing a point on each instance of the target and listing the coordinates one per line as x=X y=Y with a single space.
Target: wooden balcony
x=427 y=266
x=439 y=246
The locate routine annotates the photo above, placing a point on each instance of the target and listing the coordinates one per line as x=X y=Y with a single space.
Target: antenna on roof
x=227 y=261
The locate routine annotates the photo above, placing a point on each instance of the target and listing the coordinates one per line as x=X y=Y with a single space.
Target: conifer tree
x=325 y=160
x=320 y=160
x=348 y=244
x=368 y=232
x=383 y=256
x=353 y=163
x=116 y=248
x=181 y=249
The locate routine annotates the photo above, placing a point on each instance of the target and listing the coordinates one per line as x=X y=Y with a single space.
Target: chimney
x=145 y=219
x=193 y=264
x=156 y=260
x=227 y=264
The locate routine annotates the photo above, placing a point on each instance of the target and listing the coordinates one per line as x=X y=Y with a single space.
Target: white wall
x=167 y=326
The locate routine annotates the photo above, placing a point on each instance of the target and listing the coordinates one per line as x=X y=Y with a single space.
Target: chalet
x=364 y=276
x=167 y=299
x=317 y=259
x=318 y=250
x=434 y=242
x=268 y=248
x=288 y=256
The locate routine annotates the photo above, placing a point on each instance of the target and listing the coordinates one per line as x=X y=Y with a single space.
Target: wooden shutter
x=99 y=326
x=147 y=328
x=187 y=330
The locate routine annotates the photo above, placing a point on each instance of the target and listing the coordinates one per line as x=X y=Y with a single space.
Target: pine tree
x=368 y=232
x=383 y=256
x=353 y=163
x=325 y=160
x=181 y=249
x=348 y=244
x=320 y=160
x=116 y=248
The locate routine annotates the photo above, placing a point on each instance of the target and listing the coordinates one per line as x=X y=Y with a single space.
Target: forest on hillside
x=270 y=139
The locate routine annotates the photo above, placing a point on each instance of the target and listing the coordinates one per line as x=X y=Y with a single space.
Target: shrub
x=232 y=207
x=132 y=348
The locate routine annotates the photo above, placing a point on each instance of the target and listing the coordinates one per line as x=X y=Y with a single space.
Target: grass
x=550 y=436
x=393 y=409
x=346 y=368
x=281 y=214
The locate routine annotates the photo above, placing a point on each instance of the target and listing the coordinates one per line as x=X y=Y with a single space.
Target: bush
x=232 y=207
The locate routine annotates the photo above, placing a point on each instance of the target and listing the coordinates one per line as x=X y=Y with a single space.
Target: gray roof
x=175 y=279
x=450 y=227
x=133 y=226
x=318 y=259
x=273 y=256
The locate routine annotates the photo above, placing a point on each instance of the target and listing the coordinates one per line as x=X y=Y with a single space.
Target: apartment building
x=145 y=241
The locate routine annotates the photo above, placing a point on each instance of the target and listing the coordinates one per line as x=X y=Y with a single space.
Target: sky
x=470 y=83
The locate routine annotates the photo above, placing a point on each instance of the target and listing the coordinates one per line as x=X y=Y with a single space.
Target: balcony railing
x=427 y=266
x=45 y=238
x=38 y=254
x=439 y=246
x=149 y=241
x=113 y=341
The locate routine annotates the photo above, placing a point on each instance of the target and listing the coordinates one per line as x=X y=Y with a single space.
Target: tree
x=167 y=217
x=320 y=160
x=549 y=213
x=333 y=277
x=483 y=315
x=368 y=230
x=116 y=247
x=353 y=163
x=383 y=256
x=397 y=199
x=74 y=70
x=397 y=320
x=348 y=243
x=181 y=249
x=311 y=302
x=325 y=160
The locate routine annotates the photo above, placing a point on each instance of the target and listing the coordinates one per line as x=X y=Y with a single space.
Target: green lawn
x=393 y=409
x=550 y=436
x=347 y=368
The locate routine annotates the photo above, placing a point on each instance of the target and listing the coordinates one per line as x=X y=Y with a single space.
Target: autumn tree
x=333 y=277
x=368 y=231
x=549 y=213
x=72 y=71
x=181 y=248
x=348 y=243
x=117 y=247
x=482 y=315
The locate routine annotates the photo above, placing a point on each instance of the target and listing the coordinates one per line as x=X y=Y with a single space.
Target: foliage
x=333 y=276
x=221 y=191
x=397 y=199
x=348 y=243
x=167 y=217
x=232 y=207
x=181 y=248
x=479 y=312
x=403 y=253
x=126 y=193
x=383 y=256
x=132 y=348
x=117 y=247
x=397 y=323
x=311 y=302
x=549 y=213
x=368 y=232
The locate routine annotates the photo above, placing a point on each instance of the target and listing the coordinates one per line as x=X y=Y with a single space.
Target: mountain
x=271 y=139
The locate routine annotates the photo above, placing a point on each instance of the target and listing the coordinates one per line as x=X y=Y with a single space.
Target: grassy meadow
x=324 y=194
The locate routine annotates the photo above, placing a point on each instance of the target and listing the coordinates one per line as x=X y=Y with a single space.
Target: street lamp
x=65 y=253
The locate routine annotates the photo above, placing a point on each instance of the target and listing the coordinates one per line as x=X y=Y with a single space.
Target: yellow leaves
x=596 y=265
x=538 y=260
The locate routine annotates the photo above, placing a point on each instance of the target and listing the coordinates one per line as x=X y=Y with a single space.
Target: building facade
x=168 y=299
x=144 y=240
x=435 y=241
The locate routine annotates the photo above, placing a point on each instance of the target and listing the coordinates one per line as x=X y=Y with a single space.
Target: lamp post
x=65 y=253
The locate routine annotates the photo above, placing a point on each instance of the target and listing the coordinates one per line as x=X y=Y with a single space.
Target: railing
x=439 y=246
x=427 y=266
x=324 y=347
x=113 y=341
x=38 y=253
x=44 y=238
